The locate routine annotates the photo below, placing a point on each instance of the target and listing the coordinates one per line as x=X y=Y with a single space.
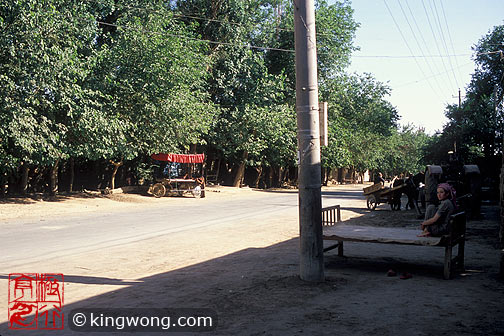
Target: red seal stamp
x=36 y=301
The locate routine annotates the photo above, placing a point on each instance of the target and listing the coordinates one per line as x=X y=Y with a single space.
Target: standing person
x=437 y=218
x=410 y=192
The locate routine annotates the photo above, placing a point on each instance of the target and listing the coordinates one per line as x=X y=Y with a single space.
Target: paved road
x=33 y=240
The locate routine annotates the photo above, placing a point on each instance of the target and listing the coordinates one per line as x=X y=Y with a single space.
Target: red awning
x=181 y=158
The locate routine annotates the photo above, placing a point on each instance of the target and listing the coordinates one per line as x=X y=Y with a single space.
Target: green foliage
x=475 y=129
x=43 y=59
x=155 y=84
x=335 y=33
x=119 y=80
x=360 y=122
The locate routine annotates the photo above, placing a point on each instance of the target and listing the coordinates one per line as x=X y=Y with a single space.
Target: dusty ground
x=251 y=278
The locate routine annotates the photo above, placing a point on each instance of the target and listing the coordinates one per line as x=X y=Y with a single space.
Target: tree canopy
x=100 y=82
x=475 y=129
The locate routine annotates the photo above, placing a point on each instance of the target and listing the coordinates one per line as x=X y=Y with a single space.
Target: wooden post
x=307 y=109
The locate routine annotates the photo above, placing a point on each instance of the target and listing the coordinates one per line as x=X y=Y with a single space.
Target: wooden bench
x=334 y=230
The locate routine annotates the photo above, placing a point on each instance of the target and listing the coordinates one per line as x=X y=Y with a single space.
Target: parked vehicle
x=178 y=174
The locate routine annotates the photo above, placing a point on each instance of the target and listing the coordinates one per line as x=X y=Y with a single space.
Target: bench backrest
x=331 y=215
x=457 y=225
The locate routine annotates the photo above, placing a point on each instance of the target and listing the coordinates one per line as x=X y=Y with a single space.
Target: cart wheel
x=197 y=192
x=371 y=202
x=158 y=190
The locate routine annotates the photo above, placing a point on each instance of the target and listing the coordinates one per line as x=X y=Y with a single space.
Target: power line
x=270 y=48
x=196 y=17
x=424 y=43
x=410 y=56
x=433 y=34
x=444 y=40
x=417 y=42
x=448 y=30
x=198 y=40
x=426 y=56
x=438 y=74
x=458 y=67
x=409 y=48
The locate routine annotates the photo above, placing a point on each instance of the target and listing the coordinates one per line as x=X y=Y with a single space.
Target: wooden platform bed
x=334 y=230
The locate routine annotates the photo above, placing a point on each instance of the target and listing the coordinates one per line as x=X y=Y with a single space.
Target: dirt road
x=248 y=276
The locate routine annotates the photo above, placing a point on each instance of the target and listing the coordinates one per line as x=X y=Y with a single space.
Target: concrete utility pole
x=307 y=108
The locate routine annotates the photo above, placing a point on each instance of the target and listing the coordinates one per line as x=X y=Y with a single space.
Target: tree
x=335 y=33
x=153 y=74
x=360 y=120
x=476 y=127
x=250 y=99
x=43 y=60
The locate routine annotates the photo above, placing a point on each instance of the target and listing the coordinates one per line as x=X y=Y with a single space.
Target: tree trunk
x=192 y=148
x=72 y=174
x=259 y=171
x=341 y=175
x=240 y=173
x=25 y=170
x=97 y=175
x=114 y=172
x=280 y=176
x=3 y=183
x=54 y=178
x=218 y=170
x=270 y=177
x=325 y=176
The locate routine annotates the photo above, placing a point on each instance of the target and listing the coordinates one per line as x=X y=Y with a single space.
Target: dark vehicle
x=178 y=174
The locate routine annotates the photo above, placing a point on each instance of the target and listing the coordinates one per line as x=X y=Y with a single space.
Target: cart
x=178 y=174
x=377 y=194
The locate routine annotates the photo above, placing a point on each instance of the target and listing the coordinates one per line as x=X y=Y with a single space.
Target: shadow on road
x=257 y=291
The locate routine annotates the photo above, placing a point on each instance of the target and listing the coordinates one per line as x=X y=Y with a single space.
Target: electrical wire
x=418 y=43
x=279 y=49
x=448 y=30
x=443 y=39
x=409 y=48
x=196 y=17
x=198 y=40
x=410 y=56
x=434 y=64
x=435 y=38
x=426 y=78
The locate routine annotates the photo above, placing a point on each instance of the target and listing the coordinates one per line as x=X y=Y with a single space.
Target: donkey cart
x=377 y=194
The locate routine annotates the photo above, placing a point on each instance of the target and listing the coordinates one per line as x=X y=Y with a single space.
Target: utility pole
x=459 y=106
x=497 y=104
x=307 y=109
x=459 y=99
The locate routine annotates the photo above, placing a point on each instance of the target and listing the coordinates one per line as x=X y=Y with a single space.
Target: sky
x=401 y=42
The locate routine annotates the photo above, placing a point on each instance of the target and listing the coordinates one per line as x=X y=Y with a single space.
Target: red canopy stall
x=180 y=158
x=174 y=179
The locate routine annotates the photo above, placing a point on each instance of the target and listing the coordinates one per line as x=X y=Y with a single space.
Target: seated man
x=379 y=179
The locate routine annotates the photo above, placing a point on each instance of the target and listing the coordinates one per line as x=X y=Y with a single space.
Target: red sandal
x=406 y=276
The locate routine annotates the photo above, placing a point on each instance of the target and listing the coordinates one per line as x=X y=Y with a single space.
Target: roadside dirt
x=250 y=278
